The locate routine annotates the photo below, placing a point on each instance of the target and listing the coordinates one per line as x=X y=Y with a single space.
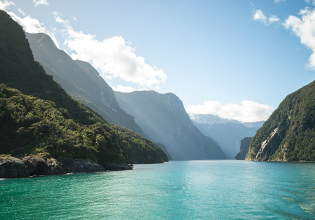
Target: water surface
x=174 y=190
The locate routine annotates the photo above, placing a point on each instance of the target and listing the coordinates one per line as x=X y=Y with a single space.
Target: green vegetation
x=38 y=117
x=40 y=128
x=293 y=125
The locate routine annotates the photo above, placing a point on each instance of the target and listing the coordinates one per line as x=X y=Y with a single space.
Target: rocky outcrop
x=35 y=165
x=80 y=166
x=11 y=167
x=54 y=167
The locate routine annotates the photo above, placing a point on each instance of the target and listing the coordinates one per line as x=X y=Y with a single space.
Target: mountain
x=212 y=119
x=80 y=80
x=243 y=149
x=289 y=133
x=227 y=133
x=37 y=117
x=209 y=119
x=164 y=119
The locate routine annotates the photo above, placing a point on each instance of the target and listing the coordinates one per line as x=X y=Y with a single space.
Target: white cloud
x=309 y=1
x=259 y=16
x=277 y=1
x=5 y=4
x=40 y=2
x=113 y=56
x=121 y=88
x=304 y=28
x=29 y=24
x=248 y=111
x=273 y=18
x=21 y=12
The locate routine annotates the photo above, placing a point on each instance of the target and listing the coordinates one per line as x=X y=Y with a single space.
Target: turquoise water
x=174 y=190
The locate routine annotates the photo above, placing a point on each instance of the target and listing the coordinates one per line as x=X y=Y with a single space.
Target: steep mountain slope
x=42 y=119
x=80 y=80
x=228 y=135
x=289 y=133
x=243 y=149
x=164 y=119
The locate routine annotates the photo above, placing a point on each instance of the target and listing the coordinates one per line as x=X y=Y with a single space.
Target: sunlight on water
x=174 y=190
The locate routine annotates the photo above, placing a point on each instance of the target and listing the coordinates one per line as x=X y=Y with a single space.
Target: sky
x=234 y=59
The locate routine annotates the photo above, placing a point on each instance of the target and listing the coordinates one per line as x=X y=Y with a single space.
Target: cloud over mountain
x=29 y=24
x=248 y=111
x=113 y=56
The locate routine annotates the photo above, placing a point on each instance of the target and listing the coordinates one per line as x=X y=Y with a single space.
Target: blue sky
x=234 y=59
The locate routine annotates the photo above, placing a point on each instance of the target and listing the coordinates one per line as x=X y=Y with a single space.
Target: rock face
x=35 y=165
x=80 y=80
x=80 y=166
x=243 y=149
x=164 y=119
x=288 y=134
x=11 y=167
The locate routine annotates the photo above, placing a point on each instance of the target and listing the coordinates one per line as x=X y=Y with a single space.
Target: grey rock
x=12 y=168
x=80 y=165
x=55 y=167
x=35 y=165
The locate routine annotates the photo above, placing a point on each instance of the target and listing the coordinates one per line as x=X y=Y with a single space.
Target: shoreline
x=31 y=166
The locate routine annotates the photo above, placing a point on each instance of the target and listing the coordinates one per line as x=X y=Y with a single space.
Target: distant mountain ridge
x=80 y=80
x=209 y=119
x=227 y=133
x=164 y=119
x=212 y=119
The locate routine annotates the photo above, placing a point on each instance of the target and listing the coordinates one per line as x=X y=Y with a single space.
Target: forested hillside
x=38 y=117
x=289 y=133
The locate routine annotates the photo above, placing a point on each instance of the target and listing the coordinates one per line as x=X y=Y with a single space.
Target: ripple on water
x=174 y=190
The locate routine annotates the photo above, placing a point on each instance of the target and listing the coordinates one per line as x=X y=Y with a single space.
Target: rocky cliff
x=164 y=119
